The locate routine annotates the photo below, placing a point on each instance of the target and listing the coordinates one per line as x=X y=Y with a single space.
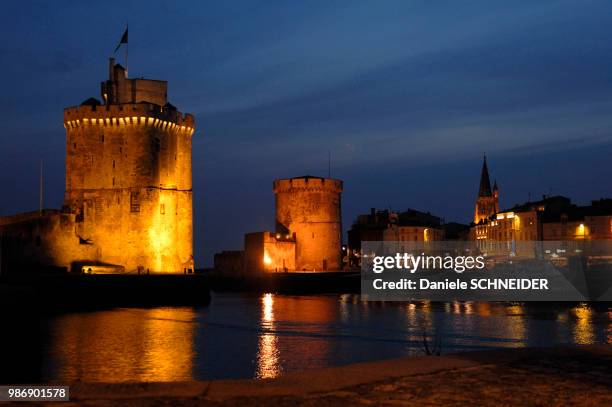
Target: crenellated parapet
x=308 y=184
x=136 y=114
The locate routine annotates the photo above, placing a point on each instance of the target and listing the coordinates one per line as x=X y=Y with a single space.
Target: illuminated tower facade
x=310 y=209
x=487 y=202
x=128 y=177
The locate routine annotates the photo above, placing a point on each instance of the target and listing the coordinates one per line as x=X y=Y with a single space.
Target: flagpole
x=127 y=45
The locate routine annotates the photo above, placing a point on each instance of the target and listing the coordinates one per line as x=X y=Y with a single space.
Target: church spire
x=485 y=183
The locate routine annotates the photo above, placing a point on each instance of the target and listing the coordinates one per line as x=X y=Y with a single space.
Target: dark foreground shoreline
x=529 y=376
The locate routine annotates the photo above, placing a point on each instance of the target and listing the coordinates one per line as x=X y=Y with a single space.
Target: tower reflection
x=294 y=333
x=124 y=345
x=583 y=329
x=515 y=327
x=267 y=353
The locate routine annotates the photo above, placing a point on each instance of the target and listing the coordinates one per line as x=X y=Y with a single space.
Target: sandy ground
x=533 y=377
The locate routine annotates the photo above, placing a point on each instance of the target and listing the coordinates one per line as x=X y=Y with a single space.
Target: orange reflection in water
x=456 y=307
x=295 y=327
x=125 y=345
x=483 y=309
x=419 y=322
x=267 y=354
x=460 y=307
x=516 y=328
x=583 y=329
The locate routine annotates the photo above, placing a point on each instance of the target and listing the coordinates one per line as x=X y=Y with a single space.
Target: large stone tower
x=128 y=176
x=310 y=208
x=487 y=202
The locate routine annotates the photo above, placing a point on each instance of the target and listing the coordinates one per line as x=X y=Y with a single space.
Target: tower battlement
x=145 y=114
x=308 y=183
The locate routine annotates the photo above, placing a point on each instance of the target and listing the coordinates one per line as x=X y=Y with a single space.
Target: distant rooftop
x=546 y=201
x=409 y=217
x=554 y=208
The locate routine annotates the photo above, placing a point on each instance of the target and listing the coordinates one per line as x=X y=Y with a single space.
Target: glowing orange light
x=581 y=230
x=266 y=259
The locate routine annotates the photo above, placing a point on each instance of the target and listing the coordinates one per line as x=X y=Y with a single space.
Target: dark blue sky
x=407 y=95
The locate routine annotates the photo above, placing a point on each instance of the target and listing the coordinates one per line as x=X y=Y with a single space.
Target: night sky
x=406 y=95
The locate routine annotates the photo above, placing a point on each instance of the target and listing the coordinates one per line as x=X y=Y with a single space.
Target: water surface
x=245 y=336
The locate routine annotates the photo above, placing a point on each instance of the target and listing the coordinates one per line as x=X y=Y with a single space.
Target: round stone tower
x=310 y=208
x=128 y=176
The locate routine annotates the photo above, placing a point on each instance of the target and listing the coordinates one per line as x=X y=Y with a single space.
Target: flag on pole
x=124 y=39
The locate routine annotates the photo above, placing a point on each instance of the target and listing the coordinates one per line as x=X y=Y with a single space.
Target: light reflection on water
x=265 y=336
x=124 y=345
x=584 y=334
x=268 y=365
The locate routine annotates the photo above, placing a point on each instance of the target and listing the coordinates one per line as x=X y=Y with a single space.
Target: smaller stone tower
x=310 y=209
x=487 y=202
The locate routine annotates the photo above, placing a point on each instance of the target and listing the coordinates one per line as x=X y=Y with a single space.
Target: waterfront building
x=553 y=218
x=390 y=226
x=128 y=197
x=308 y=235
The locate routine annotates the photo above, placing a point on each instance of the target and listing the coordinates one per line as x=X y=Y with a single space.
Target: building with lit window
x=553 y=218
x=550 y=219
x=270 y=252
x=389 y=226
x=591 y=222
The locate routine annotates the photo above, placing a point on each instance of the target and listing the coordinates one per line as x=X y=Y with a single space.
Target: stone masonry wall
x=128 y=181
x=310 y=208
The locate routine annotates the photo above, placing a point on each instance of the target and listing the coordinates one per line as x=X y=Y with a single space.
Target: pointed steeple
x=495 y=186
x=485 y=183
